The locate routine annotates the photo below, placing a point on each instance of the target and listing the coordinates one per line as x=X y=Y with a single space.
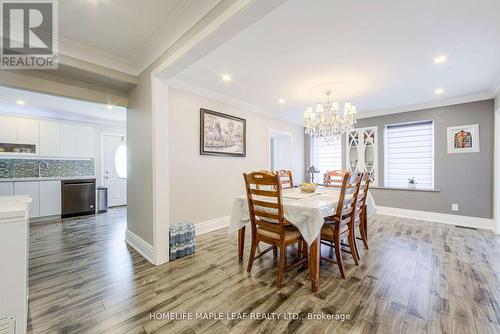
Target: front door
x=115 y=169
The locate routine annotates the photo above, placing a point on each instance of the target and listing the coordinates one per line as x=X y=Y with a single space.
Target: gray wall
x=466 y=179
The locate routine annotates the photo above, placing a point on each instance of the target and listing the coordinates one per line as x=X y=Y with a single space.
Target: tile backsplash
x=18 y=168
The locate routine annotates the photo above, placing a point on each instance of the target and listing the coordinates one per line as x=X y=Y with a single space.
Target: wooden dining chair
x=334 y=178
x=286 y=178
x=341 y=225
x=361 y=219
x=268 y=222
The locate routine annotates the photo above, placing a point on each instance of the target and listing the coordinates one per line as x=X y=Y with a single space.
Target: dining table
x=306 y=211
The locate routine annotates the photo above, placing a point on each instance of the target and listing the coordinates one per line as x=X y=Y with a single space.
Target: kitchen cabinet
x=50 y=198
x=86 y=141
x=6 y=188
x=33 y=190
x=28 y=131
x=8 y=129
x=50 y=139
x=69 y=140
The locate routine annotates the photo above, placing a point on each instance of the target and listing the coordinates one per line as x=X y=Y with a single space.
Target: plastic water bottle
x=173 y=252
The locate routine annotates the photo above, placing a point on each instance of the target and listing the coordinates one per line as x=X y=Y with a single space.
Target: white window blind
x=409 y=152
x=327 y=154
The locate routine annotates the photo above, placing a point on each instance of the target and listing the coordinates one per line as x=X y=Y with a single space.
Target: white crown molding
x=427 y=105
x=496 y=90
x=436 y=217
x=96 y=56
x=162 y=30
x=209 y=94
x=151 y=48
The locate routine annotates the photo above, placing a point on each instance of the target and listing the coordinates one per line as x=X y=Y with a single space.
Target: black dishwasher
x=78 y=197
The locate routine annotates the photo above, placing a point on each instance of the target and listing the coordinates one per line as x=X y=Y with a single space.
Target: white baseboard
x=467 y=221
x=141 y=246
x=212 y=225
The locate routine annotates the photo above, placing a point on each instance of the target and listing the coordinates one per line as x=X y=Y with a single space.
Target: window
x=327 y=154
x=409 y=153
x=121 y=161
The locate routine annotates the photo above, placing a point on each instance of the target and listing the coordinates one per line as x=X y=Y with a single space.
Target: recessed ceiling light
x=439 y=91
x=226 y=77
x=281 y=101
x=440 y=59
x=21 y=102
x=109 y=106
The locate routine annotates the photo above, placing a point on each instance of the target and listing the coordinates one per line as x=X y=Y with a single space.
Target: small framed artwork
x=222 y=134
x=463 y=139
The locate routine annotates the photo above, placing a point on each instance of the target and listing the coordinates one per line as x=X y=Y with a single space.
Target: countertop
x=48 y=178
x=13 y=207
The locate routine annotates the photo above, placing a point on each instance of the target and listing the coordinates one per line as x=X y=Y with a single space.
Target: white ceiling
x=375 y=54
x=51 y=106
x=125 y=35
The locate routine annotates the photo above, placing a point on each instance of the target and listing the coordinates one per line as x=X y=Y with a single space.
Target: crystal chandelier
x=326 y=120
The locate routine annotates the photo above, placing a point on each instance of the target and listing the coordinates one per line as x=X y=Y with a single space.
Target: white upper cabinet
x=69 y=140
x=8 y=130
x=27 y=131
x=50 y=139
x=86 y=136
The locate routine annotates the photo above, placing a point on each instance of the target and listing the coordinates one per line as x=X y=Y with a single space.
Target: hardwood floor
x=417 y=277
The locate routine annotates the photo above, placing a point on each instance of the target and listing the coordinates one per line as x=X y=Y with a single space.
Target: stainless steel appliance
x=78 y=197
x=102 y=199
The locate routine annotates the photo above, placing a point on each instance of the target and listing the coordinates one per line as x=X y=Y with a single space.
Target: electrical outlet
x=454 y=207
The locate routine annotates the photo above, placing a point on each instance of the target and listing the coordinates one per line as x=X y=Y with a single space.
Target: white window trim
x=433 y=152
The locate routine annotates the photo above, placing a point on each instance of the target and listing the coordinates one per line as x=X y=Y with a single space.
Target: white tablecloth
x=307 y=214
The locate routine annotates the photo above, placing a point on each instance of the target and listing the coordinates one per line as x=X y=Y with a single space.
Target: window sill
x=407 y=189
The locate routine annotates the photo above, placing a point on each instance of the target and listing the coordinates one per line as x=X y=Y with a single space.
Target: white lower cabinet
x=6 y=188
x=33 y=190
x=50 y=198
x=46 y=196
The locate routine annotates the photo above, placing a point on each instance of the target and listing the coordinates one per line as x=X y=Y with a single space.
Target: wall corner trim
x=212 y=225
x=141 y=246
x=436 y=217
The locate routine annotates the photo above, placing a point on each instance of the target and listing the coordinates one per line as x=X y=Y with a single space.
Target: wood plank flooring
x=417 y=277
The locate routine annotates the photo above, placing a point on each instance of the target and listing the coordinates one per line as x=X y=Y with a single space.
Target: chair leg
x=275 y=252
x=352 y=245
x=362 y=231
x=338 y=253
x=281 y=267
x=253 y=248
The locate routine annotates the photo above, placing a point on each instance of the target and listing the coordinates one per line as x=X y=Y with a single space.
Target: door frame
x=284 y=133
x=103 y=134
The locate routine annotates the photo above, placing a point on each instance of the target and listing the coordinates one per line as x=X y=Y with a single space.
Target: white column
x=496 y=178
x=161 y=170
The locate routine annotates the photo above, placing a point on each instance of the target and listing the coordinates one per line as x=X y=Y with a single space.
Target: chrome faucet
x=40 y=167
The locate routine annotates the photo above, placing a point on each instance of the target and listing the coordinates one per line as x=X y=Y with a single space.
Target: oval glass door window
x=121 y=161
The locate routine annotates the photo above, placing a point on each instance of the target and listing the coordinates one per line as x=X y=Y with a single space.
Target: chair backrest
x=334 y=178
x=286 y=178
x=363 y=192
x=264 y=200
x=348 y=197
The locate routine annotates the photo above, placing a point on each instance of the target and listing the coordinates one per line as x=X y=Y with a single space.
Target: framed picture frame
x=463 y=139
x=222 y=134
